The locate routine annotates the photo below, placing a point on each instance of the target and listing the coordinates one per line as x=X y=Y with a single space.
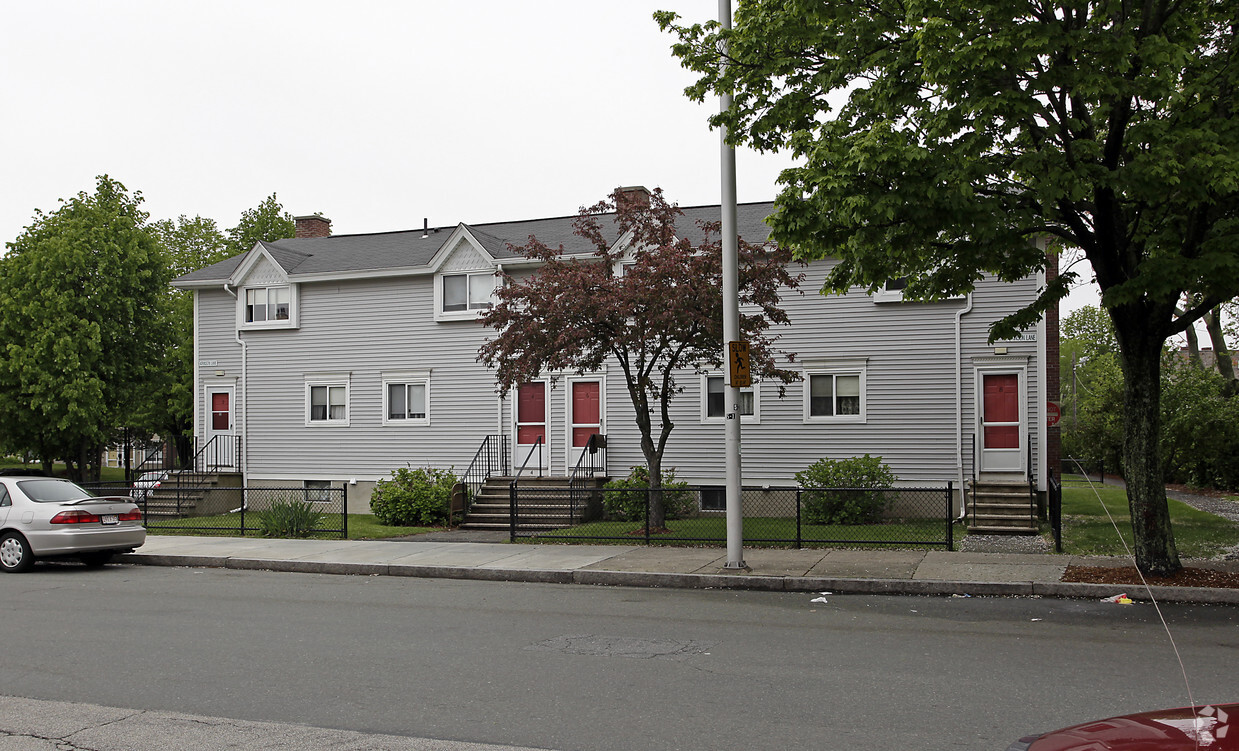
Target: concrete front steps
x=188 y=493
x=1002 y=507
x=545 y=504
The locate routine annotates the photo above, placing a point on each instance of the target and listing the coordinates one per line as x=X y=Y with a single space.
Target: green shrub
x=414 y=497
x=629 y=505
x=825 y=503
x=288 y=519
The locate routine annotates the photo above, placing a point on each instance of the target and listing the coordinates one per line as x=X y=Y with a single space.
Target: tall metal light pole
x=731 y=328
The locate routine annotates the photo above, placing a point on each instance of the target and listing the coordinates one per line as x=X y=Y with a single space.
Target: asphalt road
x=573 y=667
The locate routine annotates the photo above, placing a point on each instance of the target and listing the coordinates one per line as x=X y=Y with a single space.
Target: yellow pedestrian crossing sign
x=739 y=358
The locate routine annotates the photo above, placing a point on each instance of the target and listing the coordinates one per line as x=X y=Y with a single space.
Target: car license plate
x=110 y=519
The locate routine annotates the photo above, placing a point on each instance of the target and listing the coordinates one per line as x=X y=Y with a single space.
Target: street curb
x=759 y=583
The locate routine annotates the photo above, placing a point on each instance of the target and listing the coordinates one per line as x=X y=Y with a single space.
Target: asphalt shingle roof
x=414 y=249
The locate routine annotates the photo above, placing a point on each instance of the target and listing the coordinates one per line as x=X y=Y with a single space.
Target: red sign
x=1053 y=412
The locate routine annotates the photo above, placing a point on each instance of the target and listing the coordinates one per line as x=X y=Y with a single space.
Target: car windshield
x=50 y=491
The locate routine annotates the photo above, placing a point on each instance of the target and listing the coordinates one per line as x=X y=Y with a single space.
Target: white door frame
x=226 y=455
x=572 y=453
x=519 y=453
x=1001 y=460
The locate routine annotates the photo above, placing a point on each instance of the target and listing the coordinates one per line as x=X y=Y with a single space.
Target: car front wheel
x=15 y=555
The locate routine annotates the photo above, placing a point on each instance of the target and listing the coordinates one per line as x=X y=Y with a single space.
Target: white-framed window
x=406 y=398
x=714 y=401
x=835 y=395
x=892 y=291
x=268 y=307
x=326 y=400
x=317 y=491
x=465 y=295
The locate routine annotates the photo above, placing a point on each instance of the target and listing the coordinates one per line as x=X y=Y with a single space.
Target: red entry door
x=586 y=416
x=1001 y=445
x=531 y=424
x=220 y=429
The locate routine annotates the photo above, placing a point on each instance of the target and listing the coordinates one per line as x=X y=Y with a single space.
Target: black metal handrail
x=490 y=460
x=589 y=464
x=219 y=452
x=159 y=457
x=537 y=446
x=513 y=506
x=1032 y=485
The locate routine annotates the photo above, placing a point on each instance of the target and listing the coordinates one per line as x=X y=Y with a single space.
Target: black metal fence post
x=344 y=515
x=512 y=506
x=647 y=516
x=798 y=537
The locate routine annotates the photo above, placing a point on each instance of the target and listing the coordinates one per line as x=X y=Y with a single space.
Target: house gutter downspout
x=245 y=405
x=959 y=405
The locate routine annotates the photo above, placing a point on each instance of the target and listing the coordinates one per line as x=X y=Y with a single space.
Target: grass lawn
x=764 y=531
x=360 y=527
x=1088 y=531
x=106 y=474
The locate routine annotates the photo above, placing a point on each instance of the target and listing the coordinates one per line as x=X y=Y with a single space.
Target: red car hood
x=1209 y=728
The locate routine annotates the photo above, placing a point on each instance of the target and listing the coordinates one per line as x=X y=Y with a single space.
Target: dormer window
x=267 y=304
x=464 y=296
x=468 y=291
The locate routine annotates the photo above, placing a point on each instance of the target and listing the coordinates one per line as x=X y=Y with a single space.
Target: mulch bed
x=1187 y=577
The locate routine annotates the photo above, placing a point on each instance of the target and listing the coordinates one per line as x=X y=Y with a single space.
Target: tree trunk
x=1193 y=348
x=1140 y=353
x=658 y=510
x=1225 y=366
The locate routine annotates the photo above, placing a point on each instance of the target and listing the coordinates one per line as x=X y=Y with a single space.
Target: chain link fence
x=778 y=517
x=238 y=511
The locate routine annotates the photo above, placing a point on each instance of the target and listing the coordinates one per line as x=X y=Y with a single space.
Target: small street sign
x=1053 y=413
x=739 y=360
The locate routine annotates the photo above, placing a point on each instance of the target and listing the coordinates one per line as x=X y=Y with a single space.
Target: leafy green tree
x=1200 y=426
x=188 y=245
x=81 y=325
x=1092 y=390
x=265 y=222
x=936 y=141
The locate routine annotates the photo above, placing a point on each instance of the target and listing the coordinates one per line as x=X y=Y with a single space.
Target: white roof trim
x=251 y=259
x=449 y=245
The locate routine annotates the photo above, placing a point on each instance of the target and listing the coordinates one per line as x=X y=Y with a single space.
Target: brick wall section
x=313 y=225
x=1052 y=374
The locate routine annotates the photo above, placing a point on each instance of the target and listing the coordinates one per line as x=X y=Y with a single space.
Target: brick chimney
x=314 y=225
x=634 y=194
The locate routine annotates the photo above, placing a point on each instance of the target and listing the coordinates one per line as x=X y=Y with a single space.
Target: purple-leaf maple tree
x=650 y=303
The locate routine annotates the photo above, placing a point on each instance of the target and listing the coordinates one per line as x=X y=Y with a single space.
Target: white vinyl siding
x=382 y=331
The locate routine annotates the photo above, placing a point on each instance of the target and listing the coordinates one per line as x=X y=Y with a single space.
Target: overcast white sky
x=374 y=113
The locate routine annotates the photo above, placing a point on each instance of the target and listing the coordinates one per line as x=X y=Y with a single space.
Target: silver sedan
x=46 y=517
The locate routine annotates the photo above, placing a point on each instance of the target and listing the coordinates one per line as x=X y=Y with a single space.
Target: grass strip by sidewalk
x=761 y=532
x=1087 y=530
x=360 y=527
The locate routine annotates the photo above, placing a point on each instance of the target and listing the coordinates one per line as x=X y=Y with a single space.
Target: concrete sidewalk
x=839 y=571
